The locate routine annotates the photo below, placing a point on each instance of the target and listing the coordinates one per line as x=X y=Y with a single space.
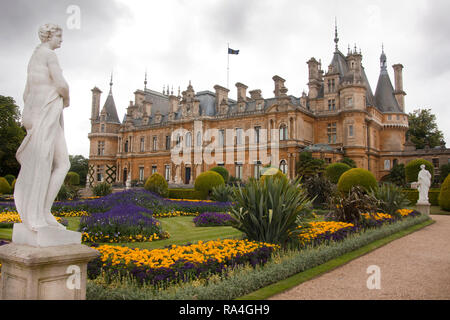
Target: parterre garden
x=246 y=237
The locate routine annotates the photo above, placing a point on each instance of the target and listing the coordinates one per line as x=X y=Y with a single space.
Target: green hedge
x=444 y=196
x=413 y=196
x=356 y=177
x=190 y=194
x=412 y=169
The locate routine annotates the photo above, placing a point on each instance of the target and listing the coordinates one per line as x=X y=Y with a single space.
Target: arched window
x=283 y=166
x=188 y=140
x=283 y=132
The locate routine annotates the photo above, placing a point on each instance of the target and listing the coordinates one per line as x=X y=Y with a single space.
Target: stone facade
x=338 y=117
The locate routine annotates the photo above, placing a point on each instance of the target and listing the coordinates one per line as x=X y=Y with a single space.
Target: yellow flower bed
x=322 y=230
x=404 y=212
x=174 y=214
x=195 y=253
x=14 y=217
x=72 y=214
x=377 y=216
x=85 y=237
x=191 y=200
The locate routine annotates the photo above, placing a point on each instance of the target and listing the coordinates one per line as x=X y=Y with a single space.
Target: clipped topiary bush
x=444 y=195
x=334 y=171
x=206 y=181
x=412 y=169
x=357 y=177
x=5 y=188
x=275 y=173
x=223 y=172
x=156 y=183
x=72 y=179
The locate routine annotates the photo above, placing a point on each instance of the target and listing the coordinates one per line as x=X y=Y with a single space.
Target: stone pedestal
x=423 y=208
x=50 y=273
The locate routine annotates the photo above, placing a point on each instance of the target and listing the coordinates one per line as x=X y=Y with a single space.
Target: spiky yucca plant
x=390 y=197
x=269 y=210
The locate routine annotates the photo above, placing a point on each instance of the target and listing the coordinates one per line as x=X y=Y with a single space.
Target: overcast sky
x=181 y=40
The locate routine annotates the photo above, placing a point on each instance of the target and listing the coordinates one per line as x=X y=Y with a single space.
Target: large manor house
x=340 y=116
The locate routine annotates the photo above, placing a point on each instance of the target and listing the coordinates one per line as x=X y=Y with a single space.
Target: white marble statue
x=43 y=153
x=423 y=185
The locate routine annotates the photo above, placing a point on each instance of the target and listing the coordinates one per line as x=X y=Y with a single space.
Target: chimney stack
x=399 y=93
x=96 y=93
x=241 y=92
x=279 y=86
x=221 y=95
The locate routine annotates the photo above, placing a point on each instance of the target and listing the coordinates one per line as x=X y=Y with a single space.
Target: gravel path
x=416 y=266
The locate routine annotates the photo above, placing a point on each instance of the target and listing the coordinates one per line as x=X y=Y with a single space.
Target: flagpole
x=228 y=66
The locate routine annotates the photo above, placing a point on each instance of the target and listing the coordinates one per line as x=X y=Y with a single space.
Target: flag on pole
x=231 y=51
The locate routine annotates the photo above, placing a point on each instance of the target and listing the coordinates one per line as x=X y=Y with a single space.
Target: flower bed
x=8 y=218
x=318 y=232
x=123 y=223
x=208 y=219
x=179 y=263
x=175 y=213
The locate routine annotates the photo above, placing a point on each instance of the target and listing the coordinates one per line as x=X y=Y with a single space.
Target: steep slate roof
x=384 y=94
x=110 y=109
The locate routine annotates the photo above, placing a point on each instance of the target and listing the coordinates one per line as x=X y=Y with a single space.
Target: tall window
x=350 y=130
x=167 y=172
x=258 y=167
x=154 y=169
x=178 y=139
x=283 y=166
x=331 y=104
x=101 y=148
x=436 y=163
x=239 y=136
x=126 y=146
x=257 y=133
x=283 y=132
x=102 y=128
x=99 y=173
x=142 y=144
x=155 y=143
x=331 y=131
x=141 y=173
x=221 y=137
x=188 y=140
x=239 y=170
x=167 y=142
x=387 y=164
x=350 y=102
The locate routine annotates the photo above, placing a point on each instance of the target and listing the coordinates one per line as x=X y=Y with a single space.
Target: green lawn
x=181 y=229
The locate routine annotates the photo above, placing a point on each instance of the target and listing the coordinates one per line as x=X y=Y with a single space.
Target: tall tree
x=423 y=129
x=307 y=166
x=79 y=164
x=11 y=136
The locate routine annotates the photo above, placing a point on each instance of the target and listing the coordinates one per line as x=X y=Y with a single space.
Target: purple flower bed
x=123 y=220
x=208 y=219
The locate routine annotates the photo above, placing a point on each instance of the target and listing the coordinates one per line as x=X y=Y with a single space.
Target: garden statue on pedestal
x=423 y=185
x=43 y=256
x=43 y=153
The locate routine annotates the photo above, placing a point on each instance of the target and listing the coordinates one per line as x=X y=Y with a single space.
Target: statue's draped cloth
x=43 y=111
